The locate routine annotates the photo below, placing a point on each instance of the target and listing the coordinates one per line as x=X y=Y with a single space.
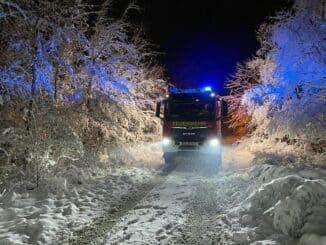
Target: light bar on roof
x=174 y=90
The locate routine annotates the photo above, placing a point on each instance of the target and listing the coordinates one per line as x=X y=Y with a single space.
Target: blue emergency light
x=174 y=90
x=208 y=89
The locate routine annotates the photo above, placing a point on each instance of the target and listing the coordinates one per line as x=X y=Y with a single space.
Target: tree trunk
x=33 y=88
x=88 y=95
x=56 y=74
x=31 y=101
x=89 y=91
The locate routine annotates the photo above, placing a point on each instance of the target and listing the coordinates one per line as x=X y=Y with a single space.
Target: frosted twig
x=6 y=153
x=15 y=6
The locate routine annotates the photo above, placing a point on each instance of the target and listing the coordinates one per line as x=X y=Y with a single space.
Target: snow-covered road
x=189 y=207
x=263 y=204
x=190 y=203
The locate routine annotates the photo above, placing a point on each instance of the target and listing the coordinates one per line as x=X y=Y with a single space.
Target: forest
x=81 y=156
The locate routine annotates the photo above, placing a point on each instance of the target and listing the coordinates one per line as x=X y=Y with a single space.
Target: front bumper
x=209 y=146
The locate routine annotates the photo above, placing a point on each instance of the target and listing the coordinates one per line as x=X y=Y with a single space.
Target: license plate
x=189 y=134
x=189 y=143
x=188 y=124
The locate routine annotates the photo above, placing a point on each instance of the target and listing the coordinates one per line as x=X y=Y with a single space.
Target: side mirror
x=158 y=109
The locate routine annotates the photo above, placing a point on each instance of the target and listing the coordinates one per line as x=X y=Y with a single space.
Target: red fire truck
x=191 y=123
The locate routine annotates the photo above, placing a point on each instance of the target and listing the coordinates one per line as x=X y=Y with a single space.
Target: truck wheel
x=169 y=158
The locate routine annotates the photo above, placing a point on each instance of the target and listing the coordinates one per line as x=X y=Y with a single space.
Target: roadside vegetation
x=76 y=85
x=279 y=95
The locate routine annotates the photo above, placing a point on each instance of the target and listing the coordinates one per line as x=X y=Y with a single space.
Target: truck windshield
x=190 y=110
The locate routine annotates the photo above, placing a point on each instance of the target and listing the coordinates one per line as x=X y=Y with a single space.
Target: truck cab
x=191 y=123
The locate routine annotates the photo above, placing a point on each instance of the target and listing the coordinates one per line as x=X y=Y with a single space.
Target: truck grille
x=187 y=147
x=189 y=134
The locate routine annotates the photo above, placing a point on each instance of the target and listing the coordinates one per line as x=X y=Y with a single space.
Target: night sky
x=202 y=41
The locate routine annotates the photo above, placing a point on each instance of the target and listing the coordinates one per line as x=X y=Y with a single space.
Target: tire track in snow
x=95 y=232
x=158 y=218
x=206 y=224
x=162 y=216
x=173 y=209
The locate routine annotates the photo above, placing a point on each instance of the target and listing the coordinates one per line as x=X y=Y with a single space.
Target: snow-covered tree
x=246 y=76
x=34 y=42
x=71 y=54
x=288 y=102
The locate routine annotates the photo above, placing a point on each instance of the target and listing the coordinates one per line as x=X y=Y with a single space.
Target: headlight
x=166 y=141
x=214 y=142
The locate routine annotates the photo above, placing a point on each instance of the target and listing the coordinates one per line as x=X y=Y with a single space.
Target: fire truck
x=191 y=124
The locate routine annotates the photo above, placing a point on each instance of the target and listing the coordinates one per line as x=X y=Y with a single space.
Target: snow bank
x=312 y=239
x=268 y=194
x=49 y=214
x=261 y=149
x=290 y=201
x=303 y=210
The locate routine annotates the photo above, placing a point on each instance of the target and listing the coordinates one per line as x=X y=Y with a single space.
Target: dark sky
x=203 y=40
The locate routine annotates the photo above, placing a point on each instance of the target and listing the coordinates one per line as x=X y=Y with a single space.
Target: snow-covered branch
x=13 y=8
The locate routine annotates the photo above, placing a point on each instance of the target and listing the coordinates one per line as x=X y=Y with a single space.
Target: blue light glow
x=174 y=90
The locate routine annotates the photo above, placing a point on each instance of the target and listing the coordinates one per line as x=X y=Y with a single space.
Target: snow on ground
x=284 y=204
x=235 y=157
x=157 y=217
x=184 y=209
x=51 y=212
x=144 y=155
x=260 y=204
x=258 y=150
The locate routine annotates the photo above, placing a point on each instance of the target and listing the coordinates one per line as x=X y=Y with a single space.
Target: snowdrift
x=286 y=205
x=49 y=215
